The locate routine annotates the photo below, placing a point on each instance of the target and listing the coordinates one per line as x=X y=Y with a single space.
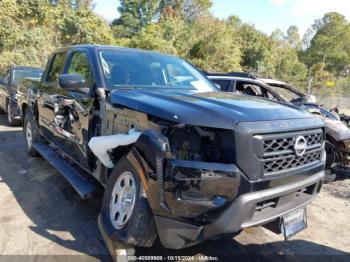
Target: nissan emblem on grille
x=293 y=150
x=300 y=146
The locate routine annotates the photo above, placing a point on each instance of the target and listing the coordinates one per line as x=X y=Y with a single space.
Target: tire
x=330 y=154
x=330 y=176
x=31 y=133
x=138 y=228
x=10 y=120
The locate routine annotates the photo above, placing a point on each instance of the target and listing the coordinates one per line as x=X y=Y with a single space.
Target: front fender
x=151 y=144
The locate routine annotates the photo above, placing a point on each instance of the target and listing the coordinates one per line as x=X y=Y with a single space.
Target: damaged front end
x=338 y=143
x=204 y=182
x=189 y=170
x=195 y=174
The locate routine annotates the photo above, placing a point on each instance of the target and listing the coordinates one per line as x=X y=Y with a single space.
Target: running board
x=84 y=188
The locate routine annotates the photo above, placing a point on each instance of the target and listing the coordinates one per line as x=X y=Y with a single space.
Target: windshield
x=20 y=74
x=128 y=69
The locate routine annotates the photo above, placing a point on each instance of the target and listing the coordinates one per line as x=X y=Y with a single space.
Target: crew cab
x=10 y=79
x=177 y=158
x=337 y=132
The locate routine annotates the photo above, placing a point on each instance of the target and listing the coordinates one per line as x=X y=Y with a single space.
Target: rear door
x=48 y=97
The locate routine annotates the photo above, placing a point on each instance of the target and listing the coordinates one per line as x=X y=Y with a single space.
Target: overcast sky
x=266 y=15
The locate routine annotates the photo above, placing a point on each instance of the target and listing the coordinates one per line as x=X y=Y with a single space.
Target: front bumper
x=249 y=209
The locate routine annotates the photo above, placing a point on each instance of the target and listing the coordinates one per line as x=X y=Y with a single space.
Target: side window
x=56 y=67
x=271 y=96
x=224 y=84
x=79 y=64
x=177 y=73
x=247 y=88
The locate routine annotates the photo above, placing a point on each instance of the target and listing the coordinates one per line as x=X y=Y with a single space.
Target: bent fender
x=101 y=145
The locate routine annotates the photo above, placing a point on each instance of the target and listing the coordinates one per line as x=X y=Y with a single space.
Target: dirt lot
x=41 y=215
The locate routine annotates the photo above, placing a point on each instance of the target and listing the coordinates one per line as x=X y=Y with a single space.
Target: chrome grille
x=279 y=154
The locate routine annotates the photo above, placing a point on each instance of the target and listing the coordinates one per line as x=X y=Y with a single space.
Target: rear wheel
x=31 y=134
x=125 y=210
x=10 y=118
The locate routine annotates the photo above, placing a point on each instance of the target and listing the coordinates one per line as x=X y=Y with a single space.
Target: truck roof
x=231 y=74
x=272 y=81
x=26 y=67
x=109 y=47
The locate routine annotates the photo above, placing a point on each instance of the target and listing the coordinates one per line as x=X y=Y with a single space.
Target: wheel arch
x=144 y=151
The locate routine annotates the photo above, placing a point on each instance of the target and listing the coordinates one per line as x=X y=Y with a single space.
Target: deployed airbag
x=101 y=145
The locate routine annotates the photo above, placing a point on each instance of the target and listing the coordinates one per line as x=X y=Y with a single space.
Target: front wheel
x=31 y=133
x=330 y=155
x=124 y=208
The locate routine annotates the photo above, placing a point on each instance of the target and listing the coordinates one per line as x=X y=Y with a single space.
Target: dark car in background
x=10 y=79
x=338 y=134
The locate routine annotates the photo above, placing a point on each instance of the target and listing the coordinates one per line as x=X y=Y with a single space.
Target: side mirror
x=71 y=81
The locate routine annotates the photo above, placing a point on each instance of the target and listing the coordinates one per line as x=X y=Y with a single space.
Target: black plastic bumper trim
x=239 y=215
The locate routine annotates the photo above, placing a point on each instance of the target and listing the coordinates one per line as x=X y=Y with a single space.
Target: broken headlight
x=202 y=144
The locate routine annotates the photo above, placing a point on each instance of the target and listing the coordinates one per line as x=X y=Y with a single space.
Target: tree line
x=31 y=29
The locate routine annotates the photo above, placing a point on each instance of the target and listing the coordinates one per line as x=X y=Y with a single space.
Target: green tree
x=330 y=43
x=31 y=29
x=293 y=37
x=214 y=47
x=188 y=9
x=259 y=54
x=82 y=27
x=134 y=15
x=277 y=35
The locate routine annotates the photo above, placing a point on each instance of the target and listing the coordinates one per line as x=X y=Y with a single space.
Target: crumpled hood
x=212 y=109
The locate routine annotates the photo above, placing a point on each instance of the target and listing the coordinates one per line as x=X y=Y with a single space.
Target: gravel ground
x=42 y=218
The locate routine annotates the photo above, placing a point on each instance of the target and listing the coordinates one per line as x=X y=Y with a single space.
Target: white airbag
x=101 y=145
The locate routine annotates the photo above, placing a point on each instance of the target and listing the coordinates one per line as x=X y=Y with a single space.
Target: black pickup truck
x=177 y=158
x=10 y=79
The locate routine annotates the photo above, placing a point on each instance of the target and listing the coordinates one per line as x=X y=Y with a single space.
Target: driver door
x=72 y=113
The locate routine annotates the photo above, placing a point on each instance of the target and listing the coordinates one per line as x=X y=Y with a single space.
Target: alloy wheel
x=123 y=200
